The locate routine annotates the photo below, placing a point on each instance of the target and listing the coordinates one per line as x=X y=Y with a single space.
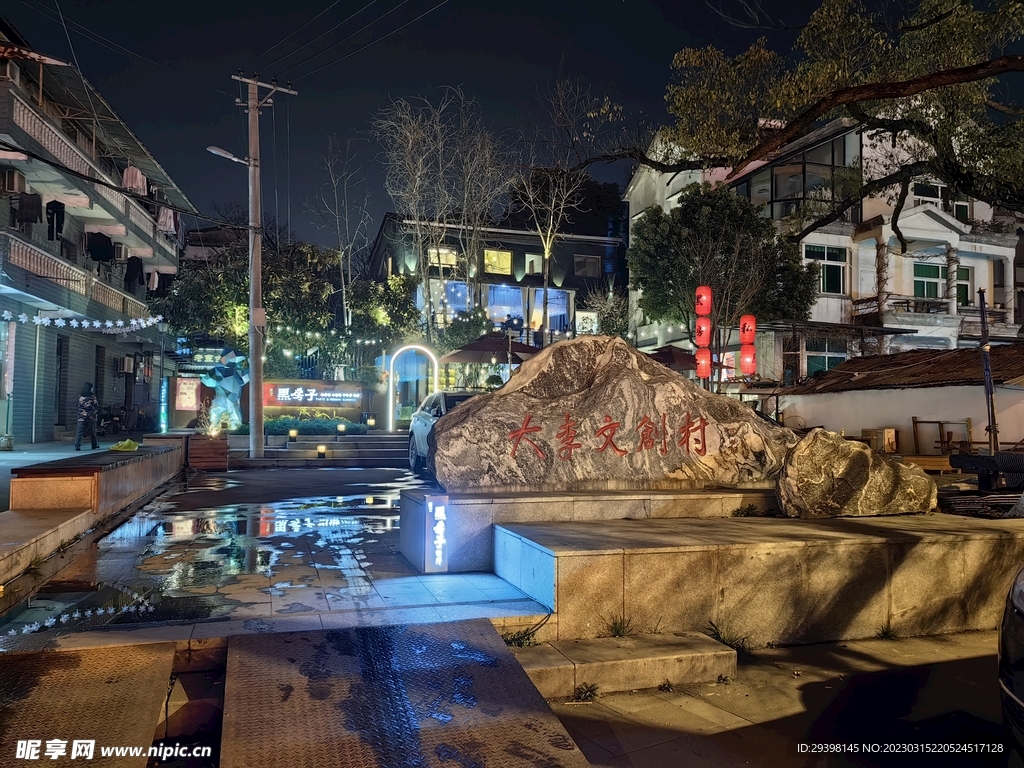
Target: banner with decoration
x=86 y=324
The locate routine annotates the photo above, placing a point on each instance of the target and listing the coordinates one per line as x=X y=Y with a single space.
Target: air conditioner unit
x=11 y=181
x=126 y=365
x=121 y=252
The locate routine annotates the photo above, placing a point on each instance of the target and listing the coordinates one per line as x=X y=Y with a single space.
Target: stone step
x=626 y=663
x=242 y=462
x=382 y=454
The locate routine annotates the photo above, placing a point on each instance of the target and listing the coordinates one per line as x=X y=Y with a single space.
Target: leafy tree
x=464 y=328
x=716 y=238
x=923 y=77
x=611 y=304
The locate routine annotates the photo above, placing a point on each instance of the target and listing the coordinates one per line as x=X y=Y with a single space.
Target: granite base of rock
x=827 y=476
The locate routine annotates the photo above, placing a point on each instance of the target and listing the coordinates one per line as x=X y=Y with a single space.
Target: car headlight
x=1017 y=591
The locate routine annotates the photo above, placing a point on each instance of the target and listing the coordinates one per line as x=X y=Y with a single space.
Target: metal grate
x=396 y=697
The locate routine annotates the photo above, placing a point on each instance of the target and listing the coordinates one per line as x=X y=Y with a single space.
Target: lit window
x=587 y=266
x=441 y=257
x=534 y=264
x=498 y=262
x=832 y=263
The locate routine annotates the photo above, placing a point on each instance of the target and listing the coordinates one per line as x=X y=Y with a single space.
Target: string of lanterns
x=85 y=324
x=703 y=332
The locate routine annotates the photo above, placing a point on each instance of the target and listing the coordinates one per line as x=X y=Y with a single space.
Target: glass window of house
x=928 y=280
x=504 y=300
x=558 y=309
x=587 y=266
x=441 y=257
x=832 y=266
x=821 y=155
x=761 y=187
x=789 y=181
x=498 y=262
x=456 y=295
x=824 y=354
x=534 y=264
x=818 y=181
x=963 y=286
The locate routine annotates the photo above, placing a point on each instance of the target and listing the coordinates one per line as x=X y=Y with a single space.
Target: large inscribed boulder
x=827 y=476
x=594 y=413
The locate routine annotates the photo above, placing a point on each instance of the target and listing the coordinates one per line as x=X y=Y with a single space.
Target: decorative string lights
x=85 y=323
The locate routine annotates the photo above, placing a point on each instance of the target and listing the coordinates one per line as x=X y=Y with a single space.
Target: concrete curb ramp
x=417 y=696
x=626 y=663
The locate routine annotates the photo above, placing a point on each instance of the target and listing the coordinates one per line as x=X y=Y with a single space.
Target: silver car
x=431 y=409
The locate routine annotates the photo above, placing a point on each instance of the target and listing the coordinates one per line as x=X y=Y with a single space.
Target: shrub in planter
x=282 y=424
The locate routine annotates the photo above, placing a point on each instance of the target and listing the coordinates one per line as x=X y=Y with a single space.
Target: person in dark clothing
x=88 y=407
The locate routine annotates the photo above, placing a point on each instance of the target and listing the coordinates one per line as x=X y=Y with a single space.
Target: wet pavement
x=250 y=547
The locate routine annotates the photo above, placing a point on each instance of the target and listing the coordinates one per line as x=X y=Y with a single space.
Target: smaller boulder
x=827 y=476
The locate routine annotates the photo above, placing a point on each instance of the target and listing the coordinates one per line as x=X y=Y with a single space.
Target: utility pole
x=257 y=314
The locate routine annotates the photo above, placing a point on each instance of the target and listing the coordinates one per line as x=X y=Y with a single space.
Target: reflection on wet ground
x=242 y=561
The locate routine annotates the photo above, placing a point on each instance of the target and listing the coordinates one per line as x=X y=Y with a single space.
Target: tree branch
x=900 y=201
x=906 y=173
x=1004 y=108
x=877 y=92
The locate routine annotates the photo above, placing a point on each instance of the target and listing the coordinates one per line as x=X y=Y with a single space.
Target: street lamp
x=163 y=326
x=257 y=316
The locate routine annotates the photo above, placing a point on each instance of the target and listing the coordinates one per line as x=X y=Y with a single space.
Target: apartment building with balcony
x=88 y=229
x=874 y=295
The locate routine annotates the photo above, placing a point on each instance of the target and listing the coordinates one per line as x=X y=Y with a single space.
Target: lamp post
x=163 y=326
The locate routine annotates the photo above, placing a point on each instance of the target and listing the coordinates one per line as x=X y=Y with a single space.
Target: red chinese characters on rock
x=607 y=432
x=692 y=436
x=518 y=435
x=695 y=429
x=567 y=438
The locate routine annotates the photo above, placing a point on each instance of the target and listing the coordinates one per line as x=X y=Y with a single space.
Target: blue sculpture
x=227 y=379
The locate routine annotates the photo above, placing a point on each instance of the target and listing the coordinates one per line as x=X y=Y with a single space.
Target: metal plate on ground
x=410 y=696
x=111 y=696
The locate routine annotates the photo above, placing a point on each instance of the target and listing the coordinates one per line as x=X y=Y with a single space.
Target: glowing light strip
x=391 y=378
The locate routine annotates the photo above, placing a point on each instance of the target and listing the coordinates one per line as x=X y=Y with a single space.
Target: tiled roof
x=917 y=368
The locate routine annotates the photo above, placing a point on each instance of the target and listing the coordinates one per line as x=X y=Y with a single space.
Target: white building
x=927 y=297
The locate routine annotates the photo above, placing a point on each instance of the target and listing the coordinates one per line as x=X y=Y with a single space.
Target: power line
x=315 y=39
x=288 y=37
x=140 y=198
x=372 y=42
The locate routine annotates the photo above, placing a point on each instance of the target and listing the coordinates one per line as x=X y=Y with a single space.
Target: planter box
x=208 y=452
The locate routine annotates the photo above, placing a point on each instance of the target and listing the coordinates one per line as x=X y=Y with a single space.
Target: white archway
x=391 y=378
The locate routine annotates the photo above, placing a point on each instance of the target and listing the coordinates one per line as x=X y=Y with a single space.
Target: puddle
x=241 y=561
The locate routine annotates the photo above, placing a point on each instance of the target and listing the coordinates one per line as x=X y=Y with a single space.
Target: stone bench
x=102 y=481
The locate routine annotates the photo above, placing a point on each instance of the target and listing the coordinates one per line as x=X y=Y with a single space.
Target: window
x=498 y=262
x=588 y=266
x=534 y=264
x=441 y=257
x=824 y=354
x=930 y=282
x=933 y=194
x=502 y=301
x=832 y=263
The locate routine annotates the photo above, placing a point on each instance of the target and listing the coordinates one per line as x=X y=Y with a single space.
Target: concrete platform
x=435 y=694
x=767 y=579
x=626 y=663
x=32 y=534
x=471 y=516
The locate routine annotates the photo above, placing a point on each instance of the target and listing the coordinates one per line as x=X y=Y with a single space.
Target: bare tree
x=341 y=205
x=447 y=175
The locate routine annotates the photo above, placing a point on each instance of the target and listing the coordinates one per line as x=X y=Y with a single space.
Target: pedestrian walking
x=88 y=407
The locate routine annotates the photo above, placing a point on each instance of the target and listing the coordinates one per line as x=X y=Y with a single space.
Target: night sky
x=502 y=54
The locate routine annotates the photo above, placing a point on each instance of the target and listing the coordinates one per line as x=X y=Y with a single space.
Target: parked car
x=431 y=409
x=1011 y=663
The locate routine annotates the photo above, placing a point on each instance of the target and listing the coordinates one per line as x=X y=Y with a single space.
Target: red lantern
x=703 y=363
x=703 y=303
x=748 y=328
x=748 y=360
x=702 y=333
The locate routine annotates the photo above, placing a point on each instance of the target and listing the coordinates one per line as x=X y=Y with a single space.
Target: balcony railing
x=71 y=155
x=916 y=305
x=38 y=262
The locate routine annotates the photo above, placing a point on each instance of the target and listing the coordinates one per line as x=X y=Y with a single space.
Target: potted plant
x=208 y=447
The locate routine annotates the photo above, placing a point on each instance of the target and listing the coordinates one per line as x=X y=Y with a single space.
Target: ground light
x=371 y=422
x=341 y=431
x=321 y=451
x=292 y=434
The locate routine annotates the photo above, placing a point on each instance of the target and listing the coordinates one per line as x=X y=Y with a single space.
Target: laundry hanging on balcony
x=100 y=247
x=167 y=221
x=134 y=180
x=30 y=208
x=54 y=219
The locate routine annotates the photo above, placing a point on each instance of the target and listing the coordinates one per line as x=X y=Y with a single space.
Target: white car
x=431 y=409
